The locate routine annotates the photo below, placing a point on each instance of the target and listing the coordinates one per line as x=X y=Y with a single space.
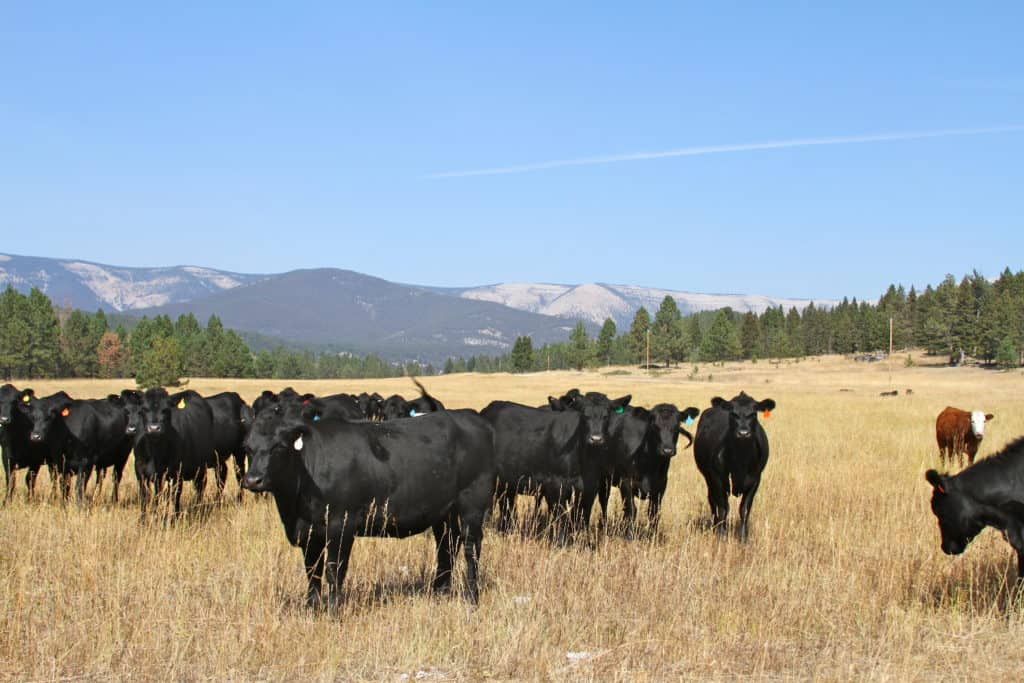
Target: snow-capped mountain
x=595 y=302
x=90 y=286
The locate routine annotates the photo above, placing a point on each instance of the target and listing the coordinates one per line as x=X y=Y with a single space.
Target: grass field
x=843 y=578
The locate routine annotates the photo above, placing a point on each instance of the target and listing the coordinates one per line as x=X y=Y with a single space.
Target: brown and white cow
x=958 y=431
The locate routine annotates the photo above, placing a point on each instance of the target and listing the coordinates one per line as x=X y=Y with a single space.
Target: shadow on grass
x=975 y=587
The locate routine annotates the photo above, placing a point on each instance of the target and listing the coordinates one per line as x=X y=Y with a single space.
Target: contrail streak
x=721 y=149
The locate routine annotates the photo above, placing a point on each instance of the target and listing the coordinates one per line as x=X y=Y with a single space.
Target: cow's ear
x=554 y=403
x=267 y=393
x=766 y=406
x=115 y=399
x=690 y=414
x=622 y=401
x=717 y=401
x=989 y=417
x=936 y=480
x=27 y=395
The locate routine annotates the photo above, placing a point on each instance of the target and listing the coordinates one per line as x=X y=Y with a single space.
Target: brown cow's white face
x=978 y=420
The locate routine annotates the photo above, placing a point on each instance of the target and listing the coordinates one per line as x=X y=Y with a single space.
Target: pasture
x=843 y=577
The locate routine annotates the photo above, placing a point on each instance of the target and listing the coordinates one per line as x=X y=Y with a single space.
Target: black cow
x=269 y=398
x=340 y=406
x=731 y=446
x=644 y=442
x=17 y=450
x=82 y=436
x=395 y=406
x=227 y=409
x=372 y=406
x=173 y=442
x=334 y=480
x=51 y=443
x=988 y=493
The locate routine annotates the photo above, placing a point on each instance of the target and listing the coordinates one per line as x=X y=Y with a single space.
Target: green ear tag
x=620 y=410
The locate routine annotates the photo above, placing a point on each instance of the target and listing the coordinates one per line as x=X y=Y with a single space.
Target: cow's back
x=952 y=427
x=533 y=440
x=193 y=427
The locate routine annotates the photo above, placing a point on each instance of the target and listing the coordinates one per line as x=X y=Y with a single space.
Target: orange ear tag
x=767 y=414
x=65 y=412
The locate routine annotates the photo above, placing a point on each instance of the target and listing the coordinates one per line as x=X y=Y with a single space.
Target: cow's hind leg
x=448 y=536
x=505 y=500
x=718 y=499
x=81 y=482
x=472 y=534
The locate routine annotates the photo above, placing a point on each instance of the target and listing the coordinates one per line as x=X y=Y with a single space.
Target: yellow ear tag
x=181 y=404
x=65 y=412
x=767 y=414
x=26 y=398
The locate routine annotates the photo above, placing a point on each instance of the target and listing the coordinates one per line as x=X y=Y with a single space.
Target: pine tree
x=581 y=349
x=14 y=334
x=522 y=354
x=722 y=340
x=638 y=334
x=79 y=339
x=750 y=336
x=605 y=340
x=44 y=336
x=160 y=364
x=666 y=337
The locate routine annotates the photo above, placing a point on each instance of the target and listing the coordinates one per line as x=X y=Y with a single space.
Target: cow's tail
x=434 y=403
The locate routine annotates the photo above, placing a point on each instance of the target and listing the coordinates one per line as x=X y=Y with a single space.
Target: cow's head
x=278 y=436
x=665 y=424
x=959 y=522
x=9 y=398
x=156 y=409
x=45 y=413
x=978 y=420
x=394 y=407
x=131 y=404
x=371 y=405
x=596 y=410
x=742 y=411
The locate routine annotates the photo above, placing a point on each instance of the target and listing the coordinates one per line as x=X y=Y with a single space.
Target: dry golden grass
x=843 y=578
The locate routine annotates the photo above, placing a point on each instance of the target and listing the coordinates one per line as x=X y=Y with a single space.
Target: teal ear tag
x=620 y=410
x=689 y=419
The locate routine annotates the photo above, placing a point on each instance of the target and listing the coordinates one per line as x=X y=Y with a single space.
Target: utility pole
x=648 y=350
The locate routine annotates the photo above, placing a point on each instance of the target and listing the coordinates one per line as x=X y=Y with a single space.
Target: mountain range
x=346 y=310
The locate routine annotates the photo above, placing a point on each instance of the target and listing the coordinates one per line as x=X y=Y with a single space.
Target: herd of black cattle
x=343 y=466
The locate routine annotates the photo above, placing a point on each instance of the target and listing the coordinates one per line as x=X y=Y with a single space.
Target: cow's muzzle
x=254 y=482
x=668 y=451
x=596 y=439
x=35 y=438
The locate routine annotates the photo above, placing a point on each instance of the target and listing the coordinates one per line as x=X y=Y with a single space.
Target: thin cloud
x=721 y=149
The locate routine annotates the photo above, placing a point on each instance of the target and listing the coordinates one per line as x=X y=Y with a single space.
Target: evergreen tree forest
x=974 y=318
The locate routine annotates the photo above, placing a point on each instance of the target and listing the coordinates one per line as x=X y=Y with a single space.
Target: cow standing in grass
x=731 y=450
x=988 y=493
x=16 y=449
x=959 y=432
x=334 y=480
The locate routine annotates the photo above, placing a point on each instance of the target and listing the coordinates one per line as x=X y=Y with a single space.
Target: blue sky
x=263 y=137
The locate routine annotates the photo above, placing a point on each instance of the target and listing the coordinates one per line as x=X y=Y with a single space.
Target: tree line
x=973 y=317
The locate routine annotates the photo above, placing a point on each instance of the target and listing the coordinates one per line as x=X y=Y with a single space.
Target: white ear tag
x=298 y=443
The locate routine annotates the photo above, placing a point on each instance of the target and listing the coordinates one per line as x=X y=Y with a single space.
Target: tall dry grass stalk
x=843 y=578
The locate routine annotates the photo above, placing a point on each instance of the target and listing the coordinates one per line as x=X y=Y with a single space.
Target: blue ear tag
x=689 y=419
x=316 y=418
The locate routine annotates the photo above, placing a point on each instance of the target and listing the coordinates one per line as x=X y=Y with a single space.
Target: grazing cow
x=16 y=449
x=958 y=431
x=988 y=493
x=395 y=406
x=645 y=443
x=731 y=446
x=227 y=409
x=81 y=436
x=334 y=480
x=173 y=442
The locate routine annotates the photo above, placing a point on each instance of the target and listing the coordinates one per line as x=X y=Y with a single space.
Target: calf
x=334 y=480
x=82 y=436
x=731 y=446
x=989 y=492
x=958 y=432
x=645 y=441
x=173 y=442
x=16 y=449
